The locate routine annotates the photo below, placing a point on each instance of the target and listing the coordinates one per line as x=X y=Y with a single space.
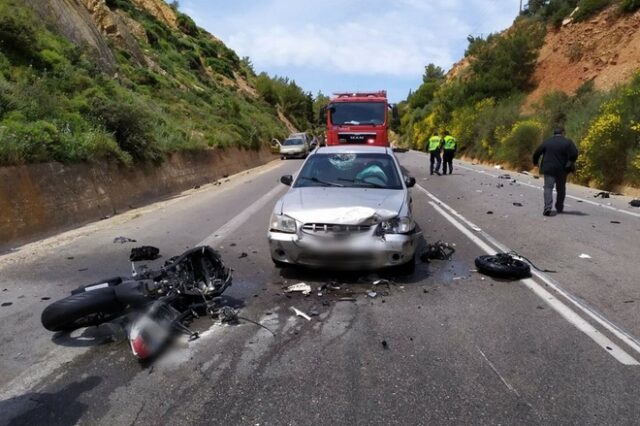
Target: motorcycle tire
x=81 y=310
x=495 y=266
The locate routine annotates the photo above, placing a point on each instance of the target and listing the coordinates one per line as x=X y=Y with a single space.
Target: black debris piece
x=6 y=304
x=634 y=203
x=70 y=258
x=617 y=222
x=123 y=240
x=346 y=299
x=602 y=194
x=45 y=298
x=144 y=253
x=628 y=301
x=232 y=245
x=517 y=204
x=228 y=315
x=502 y=265
x=243 y=255
x=505 y=176
x=196 y=187
x=83 y=269
x=437 y=251
x=385 y=345
x=489 y=212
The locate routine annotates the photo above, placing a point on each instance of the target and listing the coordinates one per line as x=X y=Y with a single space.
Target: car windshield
x=350 y=170
x=290 y=142
x=358 y=113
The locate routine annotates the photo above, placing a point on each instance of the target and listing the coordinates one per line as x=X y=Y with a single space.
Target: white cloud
x=354 y=37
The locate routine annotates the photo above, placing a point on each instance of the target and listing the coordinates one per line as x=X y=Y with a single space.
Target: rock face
x=605 y=49
x=72 y=19
x=160 y=10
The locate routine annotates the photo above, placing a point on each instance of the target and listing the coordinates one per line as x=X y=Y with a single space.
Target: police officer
x=434 y=146
x=450 y=146
x=559 y=156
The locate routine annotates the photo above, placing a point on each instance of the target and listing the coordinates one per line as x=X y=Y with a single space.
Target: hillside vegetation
x=482 y=100
x=173 y=88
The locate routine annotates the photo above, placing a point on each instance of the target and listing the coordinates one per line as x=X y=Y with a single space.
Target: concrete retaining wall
x=39 y=199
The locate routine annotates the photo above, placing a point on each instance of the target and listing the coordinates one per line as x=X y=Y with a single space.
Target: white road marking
x=565 y=311
x=573 y=197
x=495 y=370
x=225 y=230
x=580 y=304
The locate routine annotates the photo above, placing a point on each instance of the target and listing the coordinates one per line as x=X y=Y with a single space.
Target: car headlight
x=283 y=223
x=397 y=225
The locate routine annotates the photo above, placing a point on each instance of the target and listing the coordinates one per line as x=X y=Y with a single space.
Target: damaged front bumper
x=365 y=252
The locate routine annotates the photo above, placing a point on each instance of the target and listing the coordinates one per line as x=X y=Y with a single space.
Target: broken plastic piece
x=299 y=313
x=303 y=288
x=123 y=240
x=372 y=294
x=602 y=194
x=438 y=251
x=584 y=256
x=634 y=203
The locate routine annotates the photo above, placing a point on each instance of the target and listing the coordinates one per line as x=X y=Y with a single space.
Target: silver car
x=294 y=147
x=349 y=208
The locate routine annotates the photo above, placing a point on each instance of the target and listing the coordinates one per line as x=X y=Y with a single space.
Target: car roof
x=353 y=149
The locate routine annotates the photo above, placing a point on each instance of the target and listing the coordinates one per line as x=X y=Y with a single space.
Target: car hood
x=344 y=206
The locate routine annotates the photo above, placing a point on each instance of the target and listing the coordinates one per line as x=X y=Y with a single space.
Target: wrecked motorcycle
x=152 y=305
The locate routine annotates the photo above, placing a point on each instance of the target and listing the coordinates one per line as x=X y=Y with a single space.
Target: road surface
x=560 y=348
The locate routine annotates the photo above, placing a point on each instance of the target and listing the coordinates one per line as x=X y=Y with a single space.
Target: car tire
x=279 y=264
x=503 y=266
x=406 y=269
x=81 y=310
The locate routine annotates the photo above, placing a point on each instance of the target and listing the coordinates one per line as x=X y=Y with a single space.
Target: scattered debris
x=628 y=301
x=385 y=345
x=500 y=185
x=517 y=204
x=524 y=172
x=5 y=304
x=505 y=176
x=503 y=265
x=584 y=256
x=347 y=299
x=123 y=240
x=228 y=315
x=70 y=258
x=299 y=313
x=602 y=194
x=634 y=203
x=303 y=288
x=489 y=212
x=372 y=294
x=45 y=298
x=144 y=253
x=243 y=255
x=382 y=282
x=196 y=187
x=498 y=167
x=438 y=251
x=83 y=269
x=617 y=222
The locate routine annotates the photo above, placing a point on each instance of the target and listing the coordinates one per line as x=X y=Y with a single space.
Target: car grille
x=355 y=138
x=333 y=230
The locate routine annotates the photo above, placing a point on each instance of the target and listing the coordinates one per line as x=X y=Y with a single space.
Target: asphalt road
x=460 y=348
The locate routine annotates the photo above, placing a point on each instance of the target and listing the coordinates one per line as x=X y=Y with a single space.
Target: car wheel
x=279 y=264
x=406 y=269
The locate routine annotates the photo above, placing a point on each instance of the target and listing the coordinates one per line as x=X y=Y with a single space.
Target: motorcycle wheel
x=81 y=310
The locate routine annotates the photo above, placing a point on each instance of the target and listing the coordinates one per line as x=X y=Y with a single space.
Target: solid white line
x=567 y=313
x=583 y=306
x=573 y=197
x=231 y=226
x=495 y=370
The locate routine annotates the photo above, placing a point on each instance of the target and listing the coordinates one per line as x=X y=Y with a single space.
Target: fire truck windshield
x=358 y=113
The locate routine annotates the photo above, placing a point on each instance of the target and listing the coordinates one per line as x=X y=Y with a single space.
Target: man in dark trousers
x=559 y=156
x=434 y=146
x=450 y=145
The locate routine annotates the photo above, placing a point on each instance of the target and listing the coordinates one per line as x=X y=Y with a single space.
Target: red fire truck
x=358 y=118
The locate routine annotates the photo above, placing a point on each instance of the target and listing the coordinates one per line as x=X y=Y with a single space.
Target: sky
x=351 y=45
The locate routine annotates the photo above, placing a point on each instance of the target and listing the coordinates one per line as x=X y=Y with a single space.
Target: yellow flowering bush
x=517 y=146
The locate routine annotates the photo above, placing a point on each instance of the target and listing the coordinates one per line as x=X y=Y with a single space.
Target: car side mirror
x=287 y=180
x=410 y=181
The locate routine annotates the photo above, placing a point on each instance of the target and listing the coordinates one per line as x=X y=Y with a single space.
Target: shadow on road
x=54 y=408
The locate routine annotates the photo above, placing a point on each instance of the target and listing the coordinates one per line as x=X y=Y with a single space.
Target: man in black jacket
x=559 y=156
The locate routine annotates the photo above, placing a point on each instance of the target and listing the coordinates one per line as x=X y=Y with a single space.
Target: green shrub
x=186 y=25
x=588 y=8
x=17 y=34
x=629 y=6
x=518 y=146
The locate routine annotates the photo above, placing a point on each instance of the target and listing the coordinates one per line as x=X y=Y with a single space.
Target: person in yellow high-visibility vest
x=434 y=146
x=450 y=145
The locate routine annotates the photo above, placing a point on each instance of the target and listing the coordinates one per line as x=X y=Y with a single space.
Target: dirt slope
x=605 y=49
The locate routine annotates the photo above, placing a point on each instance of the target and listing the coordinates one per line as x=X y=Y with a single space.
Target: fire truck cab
x=360 y=118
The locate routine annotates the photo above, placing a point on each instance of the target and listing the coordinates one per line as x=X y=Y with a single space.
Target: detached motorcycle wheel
x=501 y=266
x=81 y=310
